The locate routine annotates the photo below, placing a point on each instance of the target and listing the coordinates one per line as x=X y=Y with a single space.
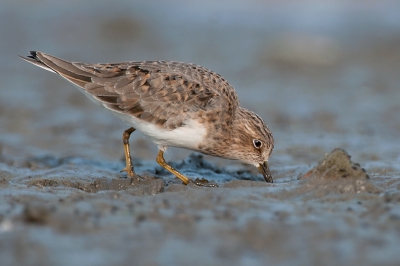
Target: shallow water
x=322 y=75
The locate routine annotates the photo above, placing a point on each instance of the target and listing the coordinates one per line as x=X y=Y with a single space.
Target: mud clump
x=37 y=213
x=337 y=165
x=44 y=183
x=336 y=174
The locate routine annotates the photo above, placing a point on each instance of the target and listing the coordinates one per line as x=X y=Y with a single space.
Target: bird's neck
x=226 y=134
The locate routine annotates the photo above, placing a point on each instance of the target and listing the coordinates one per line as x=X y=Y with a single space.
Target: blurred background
x=322 y=74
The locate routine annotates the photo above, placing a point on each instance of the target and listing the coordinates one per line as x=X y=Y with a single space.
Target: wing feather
x=159 y=92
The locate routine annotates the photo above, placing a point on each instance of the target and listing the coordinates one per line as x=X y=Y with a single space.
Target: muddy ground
x=323 y=76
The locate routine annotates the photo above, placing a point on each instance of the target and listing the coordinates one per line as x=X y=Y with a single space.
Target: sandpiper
x=175 y=104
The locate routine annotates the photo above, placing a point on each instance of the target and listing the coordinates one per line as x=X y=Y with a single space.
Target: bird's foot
x=202 y=182
x=130 y=173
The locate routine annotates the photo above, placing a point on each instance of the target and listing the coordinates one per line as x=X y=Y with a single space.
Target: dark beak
x=265 y=172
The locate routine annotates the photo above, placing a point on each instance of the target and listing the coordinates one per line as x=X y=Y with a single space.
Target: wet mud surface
x=90 y=212
x=328 y=87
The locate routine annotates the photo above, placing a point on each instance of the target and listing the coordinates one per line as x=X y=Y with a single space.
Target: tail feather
x=64 y=68
x=34 y=60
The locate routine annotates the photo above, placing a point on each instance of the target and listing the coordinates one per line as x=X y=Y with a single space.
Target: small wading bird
x=174 y=104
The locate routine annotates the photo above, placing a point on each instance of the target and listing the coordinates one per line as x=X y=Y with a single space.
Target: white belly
x=188 y=136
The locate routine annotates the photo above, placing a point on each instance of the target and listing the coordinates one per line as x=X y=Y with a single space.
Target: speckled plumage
x=161 y=98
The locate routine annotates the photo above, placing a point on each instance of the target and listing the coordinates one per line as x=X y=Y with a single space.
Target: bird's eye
x=257 y=143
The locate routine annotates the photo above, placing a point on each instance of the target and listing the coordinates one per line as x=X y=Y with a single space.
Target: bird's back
x=163 y=93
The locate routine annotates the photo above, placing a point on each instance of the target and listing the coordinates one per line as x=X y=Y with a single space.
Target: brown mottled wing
x=160 y=92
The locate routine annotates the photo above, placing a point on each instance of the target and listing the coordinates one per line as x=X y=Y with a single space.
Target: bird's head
x=252 y=141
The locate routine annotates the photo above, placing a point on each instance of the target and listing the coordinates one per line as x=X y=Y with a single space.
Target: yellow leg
x=129 y=166
x=160 y=160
